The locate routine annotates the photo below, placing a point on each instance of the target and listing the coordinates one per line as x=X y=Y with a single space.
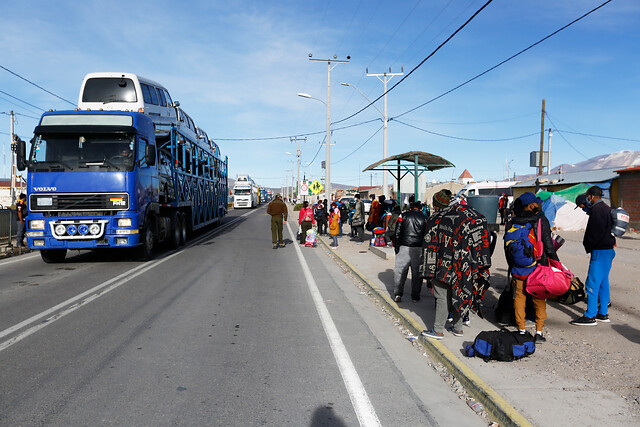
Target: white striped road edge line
x=74 y=303
x=359 y=398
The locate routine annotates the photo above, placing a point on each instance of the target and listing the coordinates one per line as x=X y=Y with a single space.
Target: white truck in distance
x=245 y=193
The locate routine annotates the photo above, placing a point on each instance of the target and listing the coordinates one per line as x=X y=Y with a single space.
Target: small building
x=465 y=178
x=629 y=193
x=607 y=179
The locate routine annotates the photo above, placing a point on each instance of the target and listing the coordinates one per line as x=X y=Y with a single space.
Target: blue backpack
x=501 y=345
x=519 y=248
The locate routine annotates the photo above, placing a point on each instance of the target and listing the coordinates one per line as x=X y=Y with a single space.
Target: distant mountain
x=619 y=159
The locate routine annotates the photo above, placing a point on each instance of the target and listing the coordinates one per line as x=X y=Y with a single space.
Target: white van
x=488 y=188
x=129 y=92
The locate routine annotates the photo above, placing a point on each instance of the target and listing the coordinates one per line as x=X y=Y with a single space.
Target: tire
x=183 y=229
x=145 y=251
x=53 y=256
x=176 y=231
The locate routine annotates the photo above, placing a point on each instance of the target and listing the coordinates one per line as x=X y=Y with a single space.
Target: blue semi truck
x=106 y=179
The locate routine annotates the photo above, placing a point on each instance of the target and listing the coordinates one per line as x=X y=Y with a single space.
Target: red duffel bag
x=548 y=281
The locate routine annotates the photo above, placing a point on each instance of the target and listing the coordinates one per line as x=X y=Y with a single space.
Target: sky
x=236 y=67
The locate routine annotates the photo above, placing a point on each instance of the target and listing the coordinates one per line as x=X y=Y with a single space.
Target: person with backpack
x=599 y=242
x=392 y=223
x=320 y=215
x=344 y=215
x=456 y=260
x=306 y=221
x=357 y=220
x=277 y=209
x=522 y=256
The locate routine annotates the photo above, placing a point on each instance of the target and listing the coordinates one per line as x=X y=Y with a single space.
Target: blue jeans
x=597 y=284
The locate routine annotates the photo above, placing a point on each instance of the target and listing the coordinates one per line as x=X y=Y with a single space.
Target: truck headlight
x=60 y=230
x=94 y=229
x=124 y=222
x=37 y=224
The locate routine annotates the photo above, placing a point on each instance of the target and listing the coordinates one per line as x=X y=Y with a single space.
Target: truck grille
x=54 y=202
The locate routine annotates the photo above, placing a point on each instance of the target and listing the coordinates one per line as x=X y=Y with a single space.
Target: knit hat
x=581 y=200
x=528 y=198
x=441 y=199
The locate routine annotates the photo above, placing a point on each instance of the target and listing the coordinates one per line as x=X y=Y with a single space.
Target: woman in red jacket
x=305 y=221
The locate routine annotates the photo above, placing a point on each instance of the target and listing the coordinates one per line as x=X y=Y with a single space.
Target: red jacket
x=306 y=214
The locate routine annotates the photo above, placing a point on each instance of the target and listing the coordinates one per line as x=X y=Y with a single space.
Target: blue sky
x=237 y=66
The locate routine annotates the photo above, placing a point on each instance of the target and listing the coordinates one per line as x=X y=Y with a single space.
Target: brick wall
x=629 y=196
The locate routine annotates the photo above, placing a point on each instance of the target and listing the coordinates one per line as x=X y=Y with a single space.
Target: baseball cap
x=528 y=198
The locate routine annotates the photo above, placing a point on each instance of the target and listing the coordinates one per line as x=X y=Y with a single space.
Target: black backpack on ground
x=574 y=294
x=502 y=345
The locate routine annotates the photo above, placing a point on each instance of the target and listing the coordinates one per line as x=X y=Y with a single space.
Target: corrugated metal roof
x=599 y=175
x=630 y=169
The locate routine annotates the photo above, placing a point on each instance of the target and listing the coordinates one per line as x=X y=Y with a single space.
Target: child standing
x=334 y=225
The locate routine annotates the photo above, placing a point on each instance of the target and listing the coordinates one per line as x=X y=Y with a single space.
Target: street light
x=327 y=179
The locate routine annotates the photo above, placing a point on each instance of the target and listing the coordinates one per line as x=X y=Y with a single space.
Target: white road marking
x=359 y=398
x=74 y=303
x=17 y=259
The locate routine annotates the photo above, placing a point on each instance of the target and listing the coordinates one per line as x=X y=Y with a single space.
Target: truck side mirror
x=150 y=154
x=21 y=154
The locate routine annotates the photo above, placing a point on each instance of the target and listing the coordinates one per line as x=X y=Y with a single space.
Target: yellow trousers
x=520 y=302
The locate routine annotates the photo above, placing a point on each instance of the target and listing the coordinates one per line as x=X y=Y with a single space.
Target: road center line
x=359 y=399
x=94 y=293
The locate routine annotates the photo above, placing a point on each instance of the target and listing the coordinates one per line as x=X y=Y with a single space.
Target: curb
x=497 y=407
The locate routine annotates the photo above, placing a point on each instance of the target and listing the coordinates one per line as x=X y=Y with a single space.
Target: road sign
x=304 y=188
x=316 y=187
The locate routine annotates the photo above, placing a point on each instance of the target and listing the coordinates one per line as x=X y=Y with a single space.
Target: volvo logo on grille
x=45 y=188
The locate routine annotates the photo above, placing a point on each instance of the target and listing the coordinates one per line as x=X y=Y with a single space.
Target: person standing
x=320 y=214
x=410 y=229
x=456 y=259
x=334 y=224
x=357 y=220
x=279 y=213
x=527 y=210
x=374 y=213
x=21 y=207
x=305 y=221
x=504 y=202
x=599 y=242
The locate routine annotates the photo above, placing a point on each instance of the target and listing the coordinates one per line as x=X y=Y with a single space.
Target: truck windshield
x=71 y=153
x=242 y=191
x=108 y=90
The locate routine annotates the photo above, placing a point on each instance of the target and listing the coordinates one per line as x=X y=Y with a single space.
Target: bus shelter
x=412 y=162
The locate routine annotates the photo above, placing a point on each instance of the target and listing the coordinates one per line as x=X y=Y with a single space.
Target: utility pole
x=298 y=153
x=13 y=161
x=384 y=78
x=540 y=163
x=549 y=153
x=328 y=141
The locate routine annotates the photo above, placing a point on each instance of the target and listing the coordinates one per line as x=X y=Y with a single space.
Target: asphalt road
x=226 y=331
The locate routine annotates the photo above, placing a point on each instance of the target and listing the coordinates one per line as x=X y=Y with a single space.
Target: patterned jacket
x=457 y=252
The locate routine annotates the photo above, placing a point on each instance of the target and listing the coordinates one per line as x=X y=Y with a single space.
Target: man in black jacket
x=599 y=242
x=409 y=234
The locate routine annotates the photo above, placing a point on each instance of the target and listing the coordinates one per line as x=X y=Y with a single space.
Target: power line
x=420 y=64
x=18 y=99
x=501 y=63
x=596 y=136
x=360 y=146
x=468 y=139
x=567 y=141
x=293 y=136
x=38 y=86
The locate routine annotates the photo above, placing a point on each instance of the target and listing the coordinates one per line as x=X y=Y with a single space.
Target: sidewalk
x=542 y=389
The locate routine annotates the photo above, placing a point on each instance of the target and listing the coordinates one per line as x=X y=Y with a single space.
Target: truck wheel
x=53 y=256
x=176 y=230
x=145 y=251
x=183 y=229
